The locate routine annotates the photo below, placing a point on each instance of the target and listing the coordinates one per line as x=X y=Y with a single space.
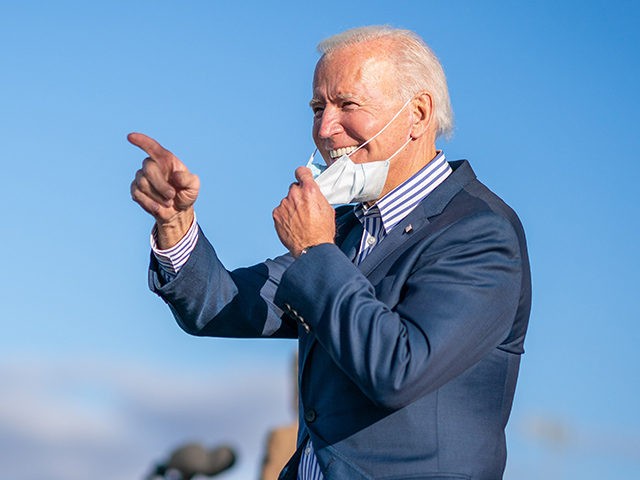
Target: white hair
x=417 y=67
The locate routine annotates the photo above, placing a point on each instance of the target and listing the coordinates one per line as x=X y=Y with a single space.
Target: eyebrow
x=341 y=96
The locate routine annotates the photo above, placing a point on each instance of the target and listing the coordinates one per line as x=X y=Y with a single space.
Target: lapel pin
x=408 y=228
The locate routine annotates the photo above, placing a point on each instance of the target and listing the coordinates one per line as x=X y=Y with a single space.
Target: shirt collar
x=400 y=201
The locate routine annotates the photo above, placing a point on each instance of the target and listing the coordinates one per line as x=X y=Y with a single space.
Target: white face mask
x=347 y=182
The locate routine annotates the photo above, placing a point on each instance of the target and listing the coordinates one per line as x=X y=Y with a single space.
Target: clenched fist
x=304 y=218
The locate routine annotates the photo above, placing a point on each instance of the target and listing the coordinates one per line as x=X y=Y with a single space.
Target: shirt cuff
x=172 y=259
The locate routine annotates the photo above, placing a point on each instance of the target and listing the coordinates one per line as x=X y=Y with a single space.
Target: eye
x=317 y=108
x=349 y=105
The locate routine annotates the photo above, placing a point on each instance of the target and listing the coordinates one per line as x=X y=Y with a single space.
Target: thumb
x=304 y=176
x=187 y=186
x=184 y=180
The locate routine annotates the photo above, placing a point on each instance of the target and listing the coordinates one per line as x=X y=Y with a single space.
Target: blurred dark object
x=193 y=459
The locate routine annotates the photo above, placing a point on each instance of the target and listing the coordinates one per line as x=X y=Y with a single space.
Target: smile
x=338 y=152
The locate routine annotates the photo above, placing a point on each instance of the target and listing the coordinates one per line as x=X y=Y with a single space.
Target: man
x=410 y=308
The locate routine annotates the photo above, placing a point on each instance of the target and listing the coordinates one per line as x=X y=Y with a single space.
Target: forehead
x=356 y=70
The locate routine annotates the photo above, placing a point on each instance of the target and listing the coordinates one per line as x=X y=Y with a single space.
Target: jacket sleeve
x=208 y=300
x=457 y=302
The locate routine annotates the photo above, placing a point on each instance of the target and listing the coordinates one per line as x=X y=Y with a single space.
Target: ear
x=422 y=111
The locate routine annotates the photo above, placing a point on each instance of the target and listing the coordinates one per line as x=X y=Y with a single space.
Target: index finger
x=151 y=147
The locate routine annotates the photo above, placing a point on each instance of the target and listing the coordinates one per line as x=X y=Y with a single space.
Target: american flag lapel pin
x=408 y=228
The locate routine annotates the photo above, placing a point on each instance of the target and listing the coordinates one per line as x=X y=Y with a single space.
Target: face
x=353 y=99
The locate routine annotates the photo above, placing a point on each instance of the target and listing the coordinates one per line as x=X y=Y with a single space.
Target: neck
x=418 y=154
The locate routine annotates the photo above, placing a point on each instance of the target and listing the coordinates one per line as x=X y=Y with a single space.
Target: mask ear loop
x=400 y=149
x=312 y=156
x=383 y=129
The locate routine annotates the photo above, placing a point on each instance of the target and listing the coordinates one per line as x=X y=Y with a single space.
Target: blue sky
x=99 y=382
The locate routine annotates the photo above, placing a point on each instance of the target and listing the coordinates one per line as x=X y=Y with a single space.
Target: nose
x=328 y=123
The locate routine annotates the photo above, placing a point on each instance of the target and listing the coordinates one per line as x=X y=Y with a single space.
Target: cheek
x=360 y=127
x=315 y=128
x=317 y=142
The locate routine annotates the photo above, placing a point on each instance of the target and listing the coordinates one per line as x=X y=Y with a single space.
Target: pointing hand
x=164 y=188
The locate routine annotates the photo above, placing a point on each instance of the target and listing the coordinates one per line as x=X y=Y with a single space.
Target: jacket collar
x=418 y=219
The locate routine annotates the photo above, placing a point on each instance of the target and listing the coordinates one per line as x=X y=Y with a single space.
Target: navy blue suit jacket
x=408 y=361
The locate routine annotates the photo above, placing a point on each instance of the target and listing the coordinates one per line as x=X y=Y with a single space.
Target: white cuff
x=172 y=259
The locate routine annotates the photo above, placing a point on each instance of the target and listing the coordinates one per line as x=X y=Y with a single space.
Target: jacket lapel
x=418 y=219
x=348 y=231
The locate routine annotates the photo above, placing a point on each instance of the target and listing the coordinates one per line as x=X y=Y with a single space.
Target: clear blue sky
x=98 y=381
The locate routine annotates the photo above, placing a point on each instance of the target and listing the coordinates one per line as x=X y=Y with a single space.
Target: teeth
x=338 y=152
